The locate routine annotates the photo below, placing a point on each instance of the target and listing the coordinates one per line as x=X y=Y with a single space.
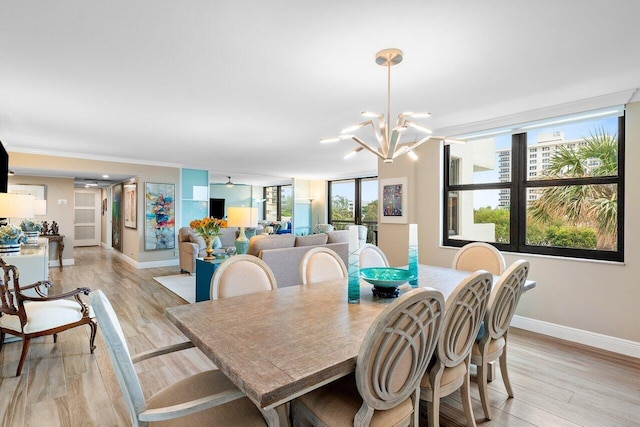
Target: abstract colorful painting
x=160 y=217
x=116 y=218
x=393 y=194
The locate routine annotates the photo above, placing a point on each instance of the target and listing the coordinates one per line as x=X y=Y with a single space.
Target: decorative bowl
x=385 y=277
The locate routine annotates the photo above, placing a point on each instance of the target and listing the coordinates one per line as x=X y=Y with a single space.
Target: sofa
x=192 y=246
x=283 y=253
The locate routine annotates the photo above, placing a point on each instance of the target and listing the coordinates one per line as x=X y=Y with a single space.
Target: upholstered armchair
x=29 y=317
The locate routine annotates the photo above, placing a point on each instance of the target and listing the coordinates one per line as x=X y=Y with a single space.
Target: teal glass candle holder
x=413 y=266
x=353 y=290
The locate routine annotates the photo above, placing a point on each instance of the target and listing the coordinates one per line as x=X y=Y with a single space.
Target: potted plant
x=32 y=229
x=10 y=238
x=209 y=229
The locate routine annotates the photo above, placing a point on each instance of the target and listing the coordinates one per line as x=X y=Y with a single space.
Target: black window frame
x=518 y=203
x=278 y=198
x=357 y=206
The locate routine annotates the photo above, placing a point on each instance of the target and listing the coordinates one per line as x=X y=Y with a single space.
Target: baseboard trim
x=56 y=263
x=154 y=264
x=592 y=339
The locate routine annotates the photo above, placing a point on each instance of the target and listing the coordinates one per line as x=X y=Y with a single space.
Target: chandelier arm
x=395 y=136
x=367 y=146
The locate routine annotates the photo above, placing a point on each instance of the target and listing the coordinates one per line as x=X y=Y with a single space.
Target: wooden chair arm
x=193 y=406
x=74 y=293
x=45 y=283
x=160 y=351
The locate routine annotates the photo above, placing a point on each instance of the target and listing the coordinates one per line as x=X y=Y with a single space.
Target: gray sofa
x=283 y=253
x=192 y=246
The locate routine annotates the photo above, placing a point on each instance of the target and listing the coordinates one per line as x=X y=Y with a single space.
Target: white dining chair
x=449 y=371
x=479 y=256
x=369 y=255
x=241 y=275
x=492 y=344
x=207 y=398
x=320 y=264
x=392 y=359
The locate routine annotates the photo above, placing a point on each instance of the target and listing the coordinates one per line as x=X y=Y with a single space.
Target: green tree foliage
x=370 y=212
x=341 y=208
x=286 y=207
x=591 y=206
x=571 y=237
x=499 y=217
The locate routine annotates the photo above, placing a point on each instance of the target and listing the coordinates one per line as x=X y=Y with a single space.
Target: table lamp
x=242 y=217
x=16 y=206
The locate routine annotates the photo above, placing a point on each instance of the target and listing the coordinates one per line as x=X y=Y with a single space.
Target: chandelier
x=389 y=144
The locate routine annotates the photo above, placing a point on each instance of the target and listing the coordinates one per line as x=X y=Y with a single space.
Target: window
x=279 y=203
x=354 y=201
x=572 y=205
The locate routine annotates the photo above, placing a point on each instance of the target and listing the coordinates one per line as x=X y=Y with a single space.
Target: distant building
x=538 y=160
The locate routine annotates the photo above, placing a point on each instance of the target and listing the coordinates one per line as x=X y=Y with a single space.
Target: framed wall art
x=130 y=203
x=159 y=216
x=116 y=218
x=38 y=191
x=394 y=197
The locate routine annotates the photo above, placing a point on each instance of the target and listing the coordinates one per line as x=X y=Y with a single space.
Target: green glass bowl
x=386 y=277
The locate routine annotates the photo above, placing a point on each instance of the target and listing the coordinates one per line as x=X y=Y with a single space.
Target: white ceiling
x=246 y=88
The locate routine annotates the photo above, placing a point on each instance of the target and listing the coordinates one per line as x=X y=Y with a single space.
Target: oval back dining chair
x=393 y=357
x=372 y=256
x=320 y=264
x=207 y=398
x=449 y=371
x=35 y=316
x=479 y=256
x=492 y=344
x=241 y=275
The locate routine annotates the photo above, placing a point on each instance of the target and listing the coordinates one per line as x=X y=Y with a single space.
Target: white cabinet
x=32 y=263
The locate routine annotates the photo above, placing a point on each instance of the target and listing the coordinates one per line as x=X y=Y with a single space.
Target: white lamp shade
x=16 y=205
x=242 y=217
x=40 y=207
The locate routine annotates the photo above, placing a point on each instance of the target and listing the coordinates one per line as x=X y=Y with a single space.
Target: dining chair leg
x=1 y=339
x=23 y=356
x=55 y=338
x=504 y=372
x=482 y=378
x=466 y=399
x=94 y=328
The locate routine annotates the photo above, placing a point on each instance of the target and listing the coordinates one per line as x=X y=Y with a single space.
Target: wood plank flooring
x=555 y=383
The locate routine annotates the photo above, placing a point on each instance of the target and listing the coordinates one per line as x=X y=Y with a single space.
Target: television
x=4 y=169
x=216 y=208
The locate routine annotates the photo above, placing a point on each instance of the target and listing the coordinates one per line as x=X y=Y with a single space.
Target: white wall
x=588 y=301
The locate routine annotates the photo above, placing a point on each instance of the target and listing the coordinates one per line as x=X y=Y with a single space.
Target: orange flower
x=208 y=226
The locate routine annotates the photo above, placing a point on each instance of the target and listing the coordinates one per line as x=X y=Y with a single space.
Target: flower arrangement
x=11 y=235
x=29 y=225
x=208 y=226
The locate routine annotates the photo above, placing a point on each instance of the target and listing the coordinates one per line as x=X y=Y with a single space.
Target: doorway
x=86 y=219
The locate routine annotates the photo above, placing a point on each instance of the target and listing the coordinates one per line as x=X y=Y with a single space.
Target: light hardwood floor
x=555 y=383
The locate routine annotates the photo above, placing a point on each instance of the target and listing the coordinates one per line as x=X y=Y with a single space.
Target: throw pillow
x=311 y=240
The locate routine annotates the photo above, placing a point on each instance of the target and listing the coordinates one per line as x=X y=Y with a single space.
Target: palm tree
x=593 y=206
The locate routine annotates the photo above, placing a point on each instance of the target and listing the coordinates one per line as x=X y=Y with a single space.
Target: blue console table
x=204 y=273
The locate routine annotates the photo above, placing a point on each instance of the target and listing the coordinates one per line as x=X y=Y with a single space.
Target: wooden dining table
x=277 y=345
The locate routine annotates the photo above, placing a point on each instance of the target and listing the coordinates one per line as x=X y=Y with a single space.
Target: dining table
x=280 y=344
